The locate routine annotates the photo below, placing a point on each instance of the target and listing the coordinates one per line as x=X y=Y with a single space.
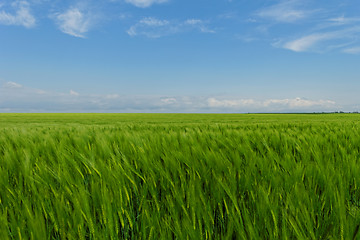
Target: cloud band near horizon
x=16 y=98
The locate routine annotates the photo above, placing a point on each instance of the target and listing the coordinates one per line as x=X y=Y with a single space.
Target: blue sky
x=179 y=56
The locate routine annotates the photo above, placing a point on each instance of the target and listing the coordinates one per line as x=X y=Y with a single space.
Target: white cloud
x=193 y=21
x=343 y=20
x=312 y=42
x=155 y=28
x=340 y=22
x=145 y=3
x=17 y=98
x=285 y=11
x=321 y=32
x=271 y=105
x=12 y=85
x=213 y=102
x=325 y=33
x=299 y=103
x=305 y=43
x=153 y=22
x=39 y=91
x=21 y=17
x=200 y=24
x=112 y=96
x=169 y=100
x=353 y=50
x=74 y=22
x=73 y=93
x=152 y=28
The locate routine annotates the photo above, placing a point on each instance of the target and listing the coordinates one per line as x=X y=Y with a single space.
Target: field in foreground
x=179 y=176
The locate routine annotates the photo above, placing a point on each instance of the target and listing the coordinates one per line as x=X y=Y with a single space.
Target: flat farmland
x=179 y=176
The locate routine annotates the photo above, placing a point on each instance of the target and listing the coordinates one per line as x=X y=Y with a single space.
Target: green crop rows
x=179 y=176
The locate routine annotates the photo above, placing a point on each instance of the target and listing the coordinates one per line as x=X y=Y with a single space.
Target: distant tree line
x=355 y=112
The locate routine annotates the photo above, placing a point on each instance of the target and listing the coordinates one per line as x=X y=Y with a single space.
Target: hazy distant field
x=179 y=176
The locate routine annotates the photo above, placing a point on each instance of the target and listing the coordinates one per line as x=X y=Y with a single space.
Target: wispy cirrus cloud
x=286 y=11
x=317 y=29
x=144 y=3
x=342 y=20
x=352 y=50
x=21 y=15
x=74 y=21
x=197 y=24
x=323 y=41
x=154 y=28
x=307 y=42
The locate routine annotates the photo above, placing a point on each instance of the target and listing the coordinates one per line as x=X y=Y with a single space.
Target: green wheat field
x=179 y=176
